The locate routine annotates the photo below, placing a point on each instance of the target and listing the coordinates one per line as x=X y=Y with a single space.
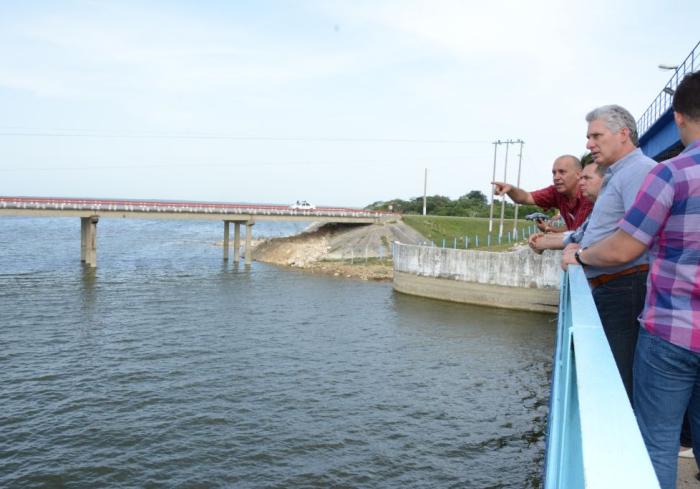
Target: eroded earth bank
x=342 y=250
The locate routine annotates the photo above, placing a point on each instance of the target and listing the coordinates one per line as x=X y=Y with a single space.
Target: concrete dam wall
x=514 y=280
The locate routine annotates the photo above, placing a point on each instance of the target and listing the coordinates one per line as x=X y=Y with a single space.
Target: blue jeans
x=666 y=382
x=619 y=303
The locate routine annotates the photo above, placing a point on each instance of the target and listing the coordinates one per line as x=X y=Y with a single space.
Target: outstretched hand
x=502 y=187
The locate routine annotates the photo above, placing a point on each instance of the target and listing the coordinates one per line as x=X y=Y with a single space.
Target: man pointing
x=563 y=194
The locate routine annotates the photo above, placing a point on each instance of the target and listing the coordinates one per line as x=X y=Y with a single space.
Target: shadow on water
x=504 y=357
x=234 y=267
x=422 y=312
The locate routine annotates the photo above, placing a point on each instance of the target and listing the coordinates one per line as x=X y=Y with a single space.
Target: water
x=166 y=367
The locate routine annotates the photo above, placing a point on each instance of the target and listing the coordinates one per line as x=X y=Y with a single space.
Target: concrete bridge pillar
x=248 y=244
x=237 y=242
x=88 y=240
x=226 y=226
x=83 y=237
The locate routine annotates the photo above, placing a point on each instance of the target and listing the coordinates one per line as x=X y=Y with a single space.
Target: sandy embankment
x=352 y=251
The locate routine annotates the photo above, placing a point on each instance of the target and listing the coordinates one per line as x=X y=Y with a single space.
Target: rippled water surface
x=166 y=367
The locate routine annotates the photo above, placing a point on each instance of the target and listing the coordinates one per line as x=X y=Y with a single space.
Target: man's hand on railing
x=532 y=241
x=569 y=255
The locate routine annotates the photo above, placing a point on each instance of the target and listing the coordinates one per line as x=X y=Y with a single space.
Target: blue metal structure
x=658 y=132
x=593 y=440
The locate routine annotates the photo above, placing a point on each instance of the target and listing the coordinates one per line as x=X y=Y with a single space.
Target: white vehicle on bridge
x=302 y=205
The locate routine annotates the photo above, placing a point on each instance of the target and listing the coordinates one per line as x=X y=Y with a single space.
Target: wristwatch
x=577 y=255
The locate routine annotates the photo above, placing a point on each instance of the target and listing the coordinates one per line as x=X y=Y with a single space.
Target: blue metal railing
x=592 y=440
x=663 y=100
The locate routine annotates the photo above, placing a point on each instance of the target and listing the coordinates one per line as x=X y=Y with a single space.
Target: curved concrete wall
x=516 y=280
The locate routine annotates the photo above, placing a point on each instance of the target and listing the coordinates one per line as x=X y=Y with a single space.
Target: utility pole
x=493 y=179
x=425 y=192
x=503 y=197
x=520 y=161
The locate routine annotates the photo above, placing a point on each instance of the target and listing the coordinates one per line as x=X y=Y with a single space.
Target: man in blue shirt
x=618 y=291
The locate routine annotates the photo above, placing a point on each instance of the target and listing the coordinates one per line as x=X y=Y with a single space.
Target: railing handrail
x=593 y=440
x=663 y=100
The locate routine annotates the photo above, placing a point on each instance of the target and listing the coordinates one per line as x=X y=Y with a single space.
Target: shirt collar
x=624 y=161
x=691 y=146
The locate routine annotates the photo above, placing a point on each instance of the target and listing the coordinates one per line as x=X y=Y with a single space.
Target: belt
x=601 y=279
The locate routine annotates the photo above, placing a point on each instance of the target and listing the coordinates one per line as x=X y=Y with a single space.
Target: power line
x=223 y=137
x=435 y=161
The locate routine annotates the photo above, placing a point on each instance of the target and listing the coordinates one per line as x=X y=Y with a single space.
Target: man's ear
x=625 y=131
x=678 y=118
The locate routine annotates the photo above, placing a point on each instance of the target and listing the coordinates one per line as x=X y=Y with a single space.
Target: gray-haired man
x=618 y=291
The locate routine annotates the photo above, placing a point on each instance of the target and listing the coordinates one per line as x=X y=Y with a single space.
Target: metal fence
x=484 y=241
x=663 y=100
x=593 y=440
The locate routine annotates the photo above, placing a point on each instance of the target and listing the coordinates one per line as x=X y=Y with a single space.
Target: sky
x=340 y=103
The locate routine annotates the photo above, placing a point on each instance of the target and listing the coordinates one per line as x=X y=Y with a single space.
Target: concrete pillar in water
x=83 y=238
x=226 y=225
x=88 y=240
x=237 y=242
x=248 y=245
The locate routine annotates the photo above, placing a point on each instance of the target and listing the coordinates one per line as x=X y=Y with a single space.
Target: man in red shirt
x=564 y=194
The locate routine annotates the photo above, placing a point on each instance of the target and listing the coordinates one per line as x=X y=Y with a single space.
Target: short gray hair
x=615 y=119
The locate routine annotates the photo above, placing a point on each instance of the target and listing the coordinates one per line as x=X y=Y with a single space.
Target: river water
x=166 y=367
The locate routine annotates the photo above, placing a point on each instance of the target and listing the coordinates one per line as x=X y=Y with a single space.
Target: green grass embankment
x=439 y=228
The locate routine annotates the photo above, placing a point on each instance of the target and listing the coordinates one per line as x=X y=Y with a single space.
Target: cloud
x=464 y=29
x=108 y=48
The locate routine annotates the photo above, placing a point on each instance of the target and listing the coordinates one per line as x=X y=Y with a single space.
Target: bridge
x=90 y=211
x=659 y=138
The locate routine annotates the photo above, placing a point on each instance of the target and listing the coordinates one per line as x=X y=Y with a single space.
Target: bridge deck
x=151 y=209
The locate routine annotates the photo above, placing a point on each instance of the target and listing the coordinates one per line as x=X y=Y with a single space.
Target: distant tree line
x=473 y=204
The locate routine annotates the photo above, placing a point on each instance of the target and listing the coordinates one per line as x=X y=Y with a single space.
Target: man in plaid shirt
x=666 y=219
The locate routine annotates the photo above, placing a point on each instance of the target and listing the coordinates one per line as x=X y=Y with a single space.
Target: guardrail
x=593 y=440
x=663 y=100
